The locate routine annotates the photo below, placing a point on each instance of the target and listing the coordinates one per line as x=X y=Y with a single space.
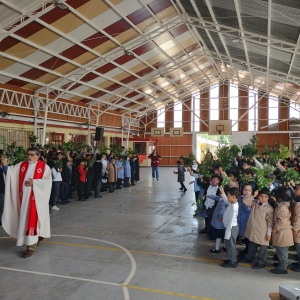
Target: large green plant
x=189 y=159
x=14 y=154
x=226 y=156
x=249 y=150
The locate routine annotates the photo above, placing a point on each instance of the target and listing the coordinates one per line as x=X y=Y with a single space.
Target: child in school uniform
x=243 y=216
x=282 y=234
x=259 y=227
x=234 y=176
x=210 y=203
x=231 y=225
x=296 y=228
x=180 y=175
x=218 y=229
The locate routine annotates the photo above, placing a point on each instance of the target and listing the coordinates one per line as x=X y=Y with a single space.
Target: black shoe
x=242 y=242
x=296 y=269
x=203 y=231
x=240 y=256
x=81 y=200
x=184 y=190
x=226 y=261
x=224 y=249
x=132 y=184
x=181 y=189
x=157 y=178
x=295 y=264
x=214 y=251
x=244 y=260
x=270 y=247
x=86 y=198
x=229 y=265
x=98 y=196
x=258 y=266
x=279 y=271
x=111 y=191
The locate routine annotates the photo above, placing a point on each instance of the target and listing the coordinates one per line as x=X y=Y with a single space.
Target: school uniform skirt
x=217 y=233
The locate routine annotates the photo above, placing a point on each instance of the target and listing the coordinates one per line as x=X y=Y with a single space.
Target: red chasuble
x=32 y=212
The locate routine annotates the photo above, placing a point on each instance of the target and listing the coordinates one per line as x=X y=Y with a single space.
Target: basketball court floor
x=138 y=243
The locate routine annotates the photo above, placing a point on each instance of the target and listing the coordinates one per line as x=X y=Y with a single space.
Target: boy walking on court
x=181 y=177
x=231 y=224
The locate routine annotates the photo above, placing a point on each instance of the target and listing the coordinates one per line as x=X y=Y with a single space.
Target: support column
x=204 y=111
x=169 y=119
x=186 y=116
x=45 y=118
x=128 y=134
x=89 y=126
x=283 y=114
x=243 y=110
x=224 y=102
x=263 y=113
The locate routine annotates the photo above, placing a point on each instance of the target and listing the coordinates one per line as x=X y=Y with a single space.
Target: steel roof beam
x=201 y=20
x=280 y=75
x=248 y=36
x=238 y=13
x=291 y=64
x=24 y=19
x=71 y=92
x=221 y=38
x=198 y=39
x=138 y=30
x=269 y=36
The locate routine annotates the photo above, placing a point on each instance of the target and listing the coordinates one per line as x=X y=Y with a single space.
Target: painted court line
x=111 y=283
x=125 y=285
x=60 y=276
x=133 y=263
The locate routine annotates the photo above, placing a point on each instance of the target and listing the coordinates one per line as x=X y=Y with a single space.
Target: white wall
x=241 y=138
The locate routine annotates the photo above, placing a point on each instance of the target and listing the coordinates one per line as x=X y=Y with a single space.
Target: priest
x=26 y=202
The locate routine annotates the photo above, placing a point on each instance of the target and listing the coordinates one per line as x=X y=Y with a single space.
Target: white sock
x=218 y=242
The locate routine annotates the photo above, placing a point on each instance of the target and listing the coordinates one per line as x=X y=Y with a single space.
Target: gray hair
x=36 y=150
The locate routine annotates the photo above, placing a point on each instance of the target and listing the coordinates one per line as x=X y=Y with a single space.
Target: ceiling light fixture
x=128 y=53
x=60 y=4
x=236 y=40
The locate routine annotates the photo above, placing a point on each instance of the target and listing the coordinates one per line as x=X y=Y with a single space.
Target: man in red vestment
x=26 y=203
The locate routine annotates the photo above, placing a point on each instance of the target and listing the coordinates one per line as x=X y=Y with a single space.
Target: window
x=234 y=105
x=161 y=117
x=273 y=110
x=57 y=138
x=140 y=148
x=294 y=110
x=195 y=113
x=253 y=110
x=178 y=114
x=214 y=102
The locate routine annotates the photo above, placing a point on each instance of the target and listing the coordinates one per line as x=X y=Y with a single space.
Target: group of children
x=83 y=173
x=241 y=210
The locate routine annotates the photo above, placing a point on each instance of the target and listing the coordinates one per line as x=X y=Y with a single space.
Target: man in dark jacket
x=66 y=175
x=98 y=175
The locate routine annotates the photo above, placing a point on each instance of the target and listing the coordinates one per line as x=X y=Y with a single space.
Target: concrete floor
x=139 y=243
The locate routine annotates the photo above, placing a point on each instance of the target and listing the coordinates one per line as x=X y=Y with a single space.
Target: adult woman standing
x=155 y=158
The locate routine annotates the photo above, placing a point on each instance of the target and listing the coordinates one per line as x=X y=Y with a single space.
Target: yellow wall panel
x=43 y=37
x=85 y=58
